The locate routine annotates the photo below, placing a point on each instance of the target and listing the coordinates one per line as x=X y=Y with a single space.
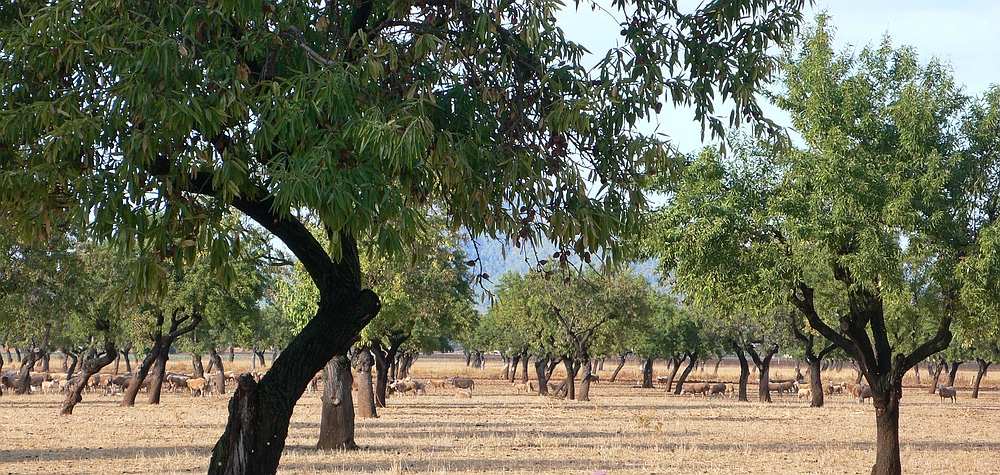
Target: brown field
x=623 y=430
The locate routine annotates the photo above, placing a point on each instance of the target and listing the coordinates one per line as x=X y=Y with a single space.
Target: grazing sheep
x=805 y=392
x=862 y=392
x=947 y=392
x=197 y=384
x=414 y=385
x=696 y=388
x=462 y=383
x=438 y=383
x=594 y=378
x=463 y=394
x=719 y=388
x=782 y=386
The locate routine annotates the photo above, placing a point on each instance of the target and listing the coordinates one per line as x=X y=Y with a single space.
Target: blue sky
x=963 y=33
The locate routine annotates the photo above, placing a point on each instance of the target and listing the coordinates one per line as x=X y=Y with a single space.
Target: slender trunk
x=687 y=371
x=72 y=366
x=505 y=371
x=197 y=367
x=524 y=366
x=715 y=371
x=543 y=380
x=381 y=374
x=220 y=371
x=953 y=373
x=744 y=370
x=232 y=354
x=468 y=358
x=515 y=360
x=90 y=367
x=936 y=376
x=647 y=373
x=676 y=360
x=157 y=374
x=980 y=372
x=764 y=367
x=815 y=382
x=336 y=428
x=916 y=372
x=586 y=365
x=363 y=362
x=621 y=364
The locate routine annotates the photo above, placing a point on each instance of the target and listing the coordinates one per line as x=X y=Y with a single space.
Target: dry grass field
x=623 y=430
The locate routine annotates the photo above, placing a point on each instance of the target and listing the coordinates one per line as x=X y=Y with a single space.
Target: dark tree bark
x=72 y=366
x=541 y=363
x=384 y=359
x=515 y=360
x=621 y=364
x=814 y=360
x=336 y=428
x=764 y=370
x=220 y=371
x=90 y=367
x=232 y=354
x=980 y=373
x=916 y=372
x=568 y=386
x=24 y=375
x=744 y=370
x=647 y=373
x=953 y=373
x=362 y=362
x=160 y=365
x=675 y=362
x=715 y=371
x=505 y=373
x=693 y=355
x=197 y=368
x=128 y=364
x=524 y=365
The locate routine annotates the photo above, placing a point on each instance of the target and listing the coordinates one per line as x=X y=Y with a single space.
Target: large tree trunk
x=220 y=371
x=139 y=377
x=363 y=362
x=24 y=376
x=128 y=364
x=744 y=370
x=621 y=364
x=569 y=384
x=197 y=368
x=647 y=373
x=686 y=372
x=953 y=373
x=515 y=360
x=543 y=381
x=815 y=382
x=524 y=366
x=90 y=367
x=505 y=370
x=336 y=428
x=886 y=392
x=585 y=367
x=980 y=373
x=157 y=374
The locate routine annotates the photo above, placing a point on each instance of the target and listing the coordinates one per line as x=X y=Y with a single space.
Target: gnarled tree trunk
x=618 y=369
x=953 y=372
x=220 y=371
x=90 y=367
x=197 y=368
x=980 y=373
x=647 y=373
x=764 y=368
x=744 y=370
x=585 y=367
x=693 y=361
x=336 y=428
x=363 y=362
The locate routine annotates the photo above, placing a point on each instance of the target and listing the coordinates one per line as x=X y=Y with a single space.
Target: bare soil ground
x=623 y=430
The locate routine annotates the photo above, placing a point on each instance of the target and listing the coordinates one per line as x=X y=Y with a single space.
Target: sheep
x=527 y=387
x=197 y=384
x=805 y=392
x=718 y=388
x=862 y=392
x=947 y=392
x=463 y=394
x=462 y=383
x=414 y=385
x=438 y=383
x=50 y=386
x=696 y=388
x=782 y=386
x=398 y=387
x=594 y=378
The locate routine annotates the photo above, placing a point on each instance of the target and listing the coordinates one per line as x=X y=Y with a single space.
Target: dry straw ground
x=623 y=430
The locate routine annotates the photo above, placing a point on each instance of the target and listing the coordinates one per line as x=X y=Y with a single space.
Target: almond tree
x=148 y=122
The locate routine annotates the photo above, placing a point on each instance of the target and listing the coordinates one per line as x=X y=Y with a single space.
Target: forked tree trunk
x=90 y=367
x=363 y=362
x=647 y=373
x=764 y=368
x=585 y=367
x=715 y=371
x=139 y=378
x=980 y=373
x=24 y=376
x=686 y=372
x=621 y=364
x=676 y=361
x=572 y=368
x=936 y=376
x=336 y=428
x=515 y=360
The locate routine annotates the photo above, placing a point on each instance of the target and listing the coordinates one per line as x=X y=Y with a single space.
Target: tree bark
x=980 y=373
x=515 y=360
x=543 y=381
x=693 y=361
x=232 y=354
x=197 y=368
x=363 y=362
x=764 y=368
x=647 y=373
x=160 y=365
x=90 y=367
x=676 y=361
x=336 y=428
x=585 y=367
x=621 y=364
x=220 y=371
x=24 y=375
x=936 y=376
x=524 y=365
x=744 y=370
x=886 y=393
x=139 y=377
x=953 y=372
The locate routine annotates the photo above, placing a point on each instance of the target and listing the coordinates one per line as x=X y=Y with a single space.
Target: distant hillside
x=496 y=263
